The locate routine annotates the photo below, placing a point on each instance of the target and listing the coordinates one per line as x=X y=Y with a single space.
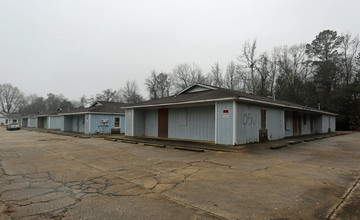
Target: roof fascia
x=181 y=103
x=286 y=106
x=96 y=113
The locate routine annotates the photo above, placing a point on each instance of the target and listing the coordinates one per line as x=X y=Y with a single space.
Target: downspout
x=216 y=121
x=133 y=122
x=89 y=124
x=234 y=122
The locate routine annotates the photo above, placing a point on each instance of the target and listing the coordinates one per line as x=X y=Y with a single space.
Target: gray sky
x=77 y=47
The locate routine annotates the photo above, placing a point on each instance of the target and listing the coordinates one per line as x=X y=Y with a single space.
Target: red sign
x=226 y=111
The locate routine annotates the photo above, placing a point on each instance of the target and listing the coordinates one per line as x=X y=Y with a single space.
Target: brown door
x=295 y=124
x=299 y=121
x=163 y=123
x=263 y=130
x=263 y=119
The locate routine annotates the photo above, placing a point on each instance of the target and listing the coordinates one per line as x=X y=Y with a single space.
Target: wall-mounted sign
x=225 y=113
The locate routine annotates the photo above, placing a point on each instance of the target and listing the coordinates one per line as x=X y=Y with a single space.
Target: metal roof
x=98 y=108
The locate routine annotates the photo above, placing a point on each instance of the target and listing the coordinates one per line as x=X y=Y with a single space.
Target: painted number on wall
x=249 y=119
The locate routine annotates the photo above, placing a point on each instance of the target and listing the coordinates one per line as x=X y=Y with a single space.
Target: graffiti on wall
x=249 y=119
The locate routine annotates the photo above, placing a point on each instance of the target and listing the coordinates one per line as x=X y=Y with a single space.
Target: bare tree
x=231 y=78
x=263 y=69
x=247 y=64
x=185 y=75
x=109 y=95
x=350 y=46
x=11 y=98
x=294 y=69
x=131 y=92
x=216 y=75
x=158 y=85
x=273 y=71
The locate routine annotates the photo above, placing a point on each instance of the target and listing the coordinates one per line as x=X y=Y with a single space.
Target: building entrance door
x=163 y=122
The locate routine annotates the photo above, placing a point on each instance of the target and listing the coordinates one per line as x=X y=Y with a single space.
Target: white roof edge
x=232 y=98
x=98 y=113
x=181 y=103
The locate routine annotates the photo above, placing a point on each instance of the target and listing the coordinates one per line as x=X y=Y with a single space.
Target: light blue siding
x=275 y=123
x=66 y=123
x=128 y=122
x=249 y=123
x=225 y=123
x=122 y=124
x=32 y=123
x=151 y=122
x=139 y=122
x=195 y=123
x=333 y=123
x=248 y=119
x=328 y=123
x=96 y=125
x=78 y=123
x=54 y=122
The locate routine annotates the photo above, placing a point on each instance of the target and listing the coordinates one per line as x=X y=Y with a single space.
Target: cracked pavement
x=46 y=176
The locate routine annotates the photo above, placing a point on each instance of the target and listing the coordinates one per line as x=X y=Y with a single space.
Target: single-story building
x=223 y=116
x=100 y=118
x=50 y=120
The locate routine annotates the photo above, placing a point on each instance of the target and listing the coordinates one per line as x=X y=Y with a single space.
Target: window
x=6 y=121
x=117 y=122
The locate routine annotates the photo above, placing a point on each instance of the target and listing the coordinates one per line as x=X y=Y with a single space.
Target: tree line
x=14 y=101
x=323 y=72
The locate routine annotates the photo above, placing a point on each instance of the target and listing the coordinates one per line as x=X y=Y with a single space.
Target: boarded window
x=182 y=117
x=117 y=122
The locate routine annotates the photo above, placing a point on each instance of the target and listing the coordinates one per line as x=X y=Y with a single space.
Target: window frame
x=116 y=122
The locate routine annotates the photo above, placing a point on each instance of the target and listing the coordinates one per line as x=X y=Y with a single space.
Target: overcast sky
x=76 y=47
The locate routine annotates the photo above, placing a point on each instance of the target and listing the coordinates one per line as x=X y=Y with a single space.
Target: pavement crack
x=343 y=199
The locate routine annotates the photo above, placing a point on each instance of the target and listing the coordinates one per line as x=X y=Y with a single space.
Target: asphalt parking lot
x=47 y=176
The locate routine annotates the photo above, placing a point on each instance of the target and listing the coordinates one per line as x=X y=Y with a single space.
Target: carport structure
x=223 y=116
